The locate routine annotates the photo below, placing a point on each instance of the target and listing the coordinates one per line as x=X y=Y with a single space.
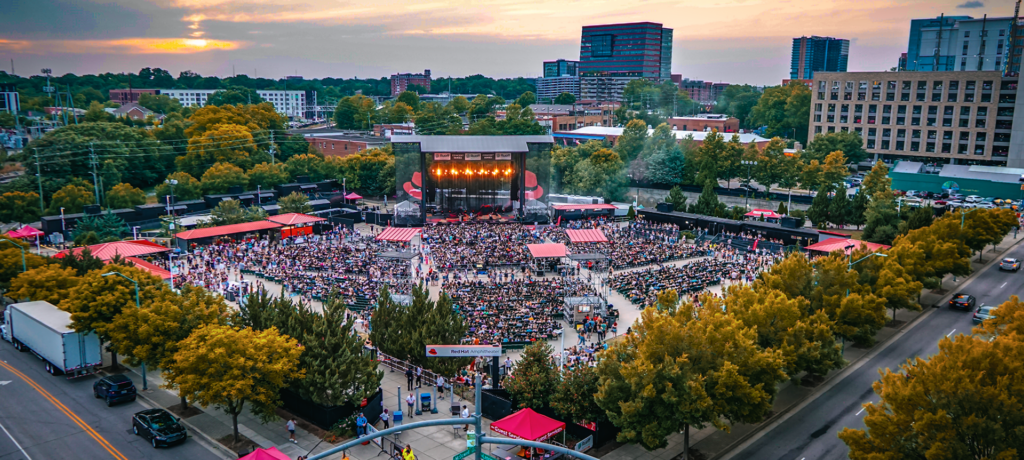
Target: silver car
x=1009 y=264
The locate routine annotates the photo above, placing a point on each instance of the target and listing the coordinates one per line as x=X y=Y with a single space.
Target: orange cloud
x=120 y=46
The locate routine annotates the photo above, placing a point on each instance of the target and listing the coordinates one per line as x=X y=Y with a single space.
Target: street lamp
x=24 y=267
x=746 y=192
x=63 y=231
x=145 y=384
x=170 y=206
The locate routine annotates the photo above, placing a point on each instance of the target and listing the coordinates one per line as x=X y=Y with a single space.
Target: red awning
x=25 y=232
x=107 y=251
x=266 y=454
x=766 y=213
x=398 y=234
x=225 y=230
x=548 y=250
x=146 y=266
x=845 y=245
x=581 y=207
x=586 y=236
x=353 y=196
x=528 y=425
x=294 y=218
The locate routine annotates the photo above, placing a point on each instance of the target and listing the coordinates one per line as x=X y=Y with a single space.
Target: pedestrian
x=419 y=376
x=465 y=414
x=385 y=417
x=407 y=453
x=291 y=430
x=409 y=376
x=440 y=386
x=411 y=401
x=360 y=425
x=582 y=340
x=508 y=365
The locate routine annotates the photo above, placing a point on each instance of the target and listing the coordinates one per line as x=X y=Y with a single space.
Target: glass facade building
x=613 y=54
x=818 y=54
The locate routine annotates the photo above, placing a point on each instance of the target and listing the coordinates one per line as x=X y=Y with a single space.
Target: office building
x=968 y=117
x=9 y=101
x=288 y=103
x=401 y=81
x=612 y=55
x=549 y=88
x=818 y=54
x=702 y=92
x=561 y=68
x=958 y=43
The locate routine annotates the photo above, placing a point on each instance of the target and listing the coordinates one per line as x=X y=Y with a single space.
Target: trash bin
x=424 y=401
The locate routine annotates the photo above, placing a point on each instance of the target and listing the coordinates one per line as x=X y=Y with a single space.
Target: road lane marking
x=71 y=415
x=1004 y=285
x=15 y=442
x=951 y=333
x=861 y=410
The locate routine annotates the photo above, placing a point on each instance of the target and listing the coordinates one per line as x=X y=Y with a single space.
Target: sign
x=472 y=157
x=585 y=445
x=502 y=156
x=442 y=156
x=458 y=351
x=371 y=430
x=458 y=156
x=463 y=454
x=487 y=156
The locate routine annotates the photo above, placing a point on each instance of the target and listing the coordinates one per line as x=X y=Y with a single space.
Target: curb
x=852 y=366
x=192 y=429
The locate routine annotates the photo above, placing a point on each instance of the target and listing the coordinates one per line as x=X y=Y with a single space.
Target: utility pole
x=271 y=147
x=39 y=175
x=95 y=178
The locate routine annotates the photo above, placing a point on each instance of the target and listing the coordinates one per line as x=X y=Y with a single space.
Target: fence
x=326 y=416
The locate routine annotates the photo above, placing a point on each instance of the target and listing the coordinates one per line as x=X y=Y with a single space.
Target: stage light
x=454 y=171
x=469 y=171
x=494 y=173
x=508 y=171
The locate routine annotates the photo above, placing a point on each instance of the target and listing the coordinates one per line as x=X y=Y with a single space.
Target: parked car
x=984 y=205
x=1010 y=264
x=955 y=196
x=984 y=312
x=962 y=301
x=973 y=199
x=159 y=427
x=911 y=193
x=114 y=389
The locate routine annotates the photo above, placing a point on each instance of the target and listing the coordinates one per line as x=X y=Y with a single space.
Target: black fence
x=326 y=416
x=496 y=404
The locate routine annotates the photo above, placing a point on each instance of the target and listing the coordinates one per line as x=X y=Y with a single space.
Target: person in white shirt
x=411 y=401
x=440 y=386
x=385 y=417
x=465 y=414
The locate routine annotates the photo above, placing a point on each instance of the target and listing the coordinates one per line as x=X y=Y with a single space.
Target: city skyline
x=740 y=41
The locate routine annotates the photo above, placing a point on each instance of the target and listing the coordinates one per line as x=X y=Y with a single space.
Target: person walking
x=465 y=414
x=440 y=386
x=409 y=376
x=385 y=417
x=291 y=430
x=411 y=401
x=419 y=376
x=360 y=425
x=508 y=365
x=407 y=453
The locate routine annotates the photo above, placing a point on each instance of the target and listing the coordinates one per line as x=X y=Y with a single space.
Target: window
x=900 y=145
x=965 y=122
x=885 y=145
x=967 y=34
x=817 y=119
x=817 y=130
x=905 y=85
x=965 y=49
x=947 y=147
x=965 y=111
x=890 y=97
x=886 y=109
x=872 y=109
x=970 y=85
x=845 y=108
x=872 y=132
x=982 y=111
x=961 y=149
x=932 y=135
x=901 y=134
x=999 y=62
x=981 y=137
x=986 y=85
x=901 y=121
x=984 y=33
x=849 y=86
x=901 y=110
x=858 y=108
x=886 y=119
x=601 y=45
x=831 y=107
x=947 y=135
x=1002 y=33
x=870 y=144
x=831 y=129
x=915 y=146
x=821 y=95
x=817 y=107
x=979 y=123
x=947 y=110
x=886 y=132
x=965 y=135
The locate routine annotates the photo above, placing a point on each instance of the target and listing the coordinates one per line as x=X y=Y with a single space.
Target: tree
x=268 y=175
x=221 y=177
x=8 y=121
x=95 y=114
x=707 y=202
x=526 y=99
x=83 y=262
x=631 y=142
x=295 y=202
x=459 y=104
x=406 y=331
x=959 y=403
x=839 y=209
x=152 y=335
x=565 y=99
x=535 y=379
x=833 y=170
x=257 y=118
x=858 y=207
x=48 y=283
x=228 y=144
x=160 y=103
x=106 y=226
x=882 y=219
x=811 y=175
x=410 y=99
x=11 y=259
x=309 y=165
x=676 y=199
x=400 y=112
x=600 y=174
x=353 y=112
x=227 y=213
x=919 y=217
x=519 y=121
x=22 y=207
x=125 y=196
x=573 y=398
x=234 y=95
x=877 y=181
x=856 y=313
x=73 y=198
x=693 y=367
x=784 y=110
x=228 y=367
x=847 y=142
x=738 y=101
x=187 y=188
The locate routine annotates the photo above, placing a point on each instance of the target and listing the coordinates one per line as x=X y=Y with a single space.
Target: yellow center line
x=74 y=418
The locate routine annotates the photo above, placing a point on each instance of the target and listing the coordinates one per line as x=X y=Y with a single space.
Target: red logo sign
x=432 y=352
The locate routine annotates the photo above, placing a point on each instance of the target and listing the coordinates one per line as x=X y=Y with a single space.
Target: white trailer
x=46 y=331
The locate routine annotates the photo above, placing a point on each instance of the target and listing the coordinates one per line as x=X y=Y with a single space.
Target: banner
x=472 y=157
x=442 y=156
x=447 y=351
x=585 y=444
x=502 y=156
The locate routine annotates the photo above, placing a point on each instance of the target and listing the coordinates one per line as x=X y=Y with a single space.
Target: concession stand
x=578 y=308
x=296 y=224
x=546 y=256
x=527 y=425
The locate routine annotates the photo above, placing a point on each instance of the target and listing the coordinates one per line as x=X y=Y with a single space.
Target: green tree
x=107 y=226
x=308 y=165
x=187 y=187
x=82 y=262
x=227 y=367
x=16 y=206
x=848 y=142
x=8 y=121
x=11 y=259
x=227 y=144
x=410 y=99
x=919 y=217
x=125 y=196
x=877 y=181
x=526 y=99
x=882 y=220
x=519 y=121
x=631 y=142
x=839 y=211
x=94 y=114
x=234 y=95
x=459 y=104
x=573 y=398
x=694 y=367
x=535 y=379
x=600 y=174
x=676 y=199
x=784 y=110
x=221 y=177
x=268 y=175
x=858 y=207
x=353 y=112
x=738 y=101
x=400 y=112
x=227 y=213
x=564 y=99
x=295 y=202
x=707 y=202
x=72 y=198
x=161 y=104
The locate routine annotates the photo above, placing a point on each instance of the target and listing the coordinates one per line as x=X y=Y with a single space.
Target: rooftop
x=474 y=144
x=745 y=138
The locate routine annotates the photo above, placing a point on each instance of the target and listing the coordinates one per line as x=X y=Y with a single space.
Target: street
x=46 y=417
x=811 y=432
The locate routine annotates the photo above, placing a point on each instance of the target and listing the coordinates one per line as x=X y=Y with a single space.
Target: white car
x=911 y=193
x=973 y=199
x=984 y=205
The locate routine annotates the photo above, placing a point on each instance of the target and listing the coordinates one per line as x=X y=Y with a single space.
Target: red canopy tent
x=353 y=196
x=592 y=235
x=295 y=218
x=25 y=232
x=266 y=454
x=547 y=250
x=766 y=213
x=845 y=245
x=404 y=235
x=528 y=425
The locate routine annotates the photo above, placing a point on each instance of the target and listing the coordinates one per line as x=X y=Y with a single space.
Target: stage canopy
x=225 y=230
x=548 y=250
x=766 y=213
x=266 y=454
x=353 y=196
x=582 y=207
x=106 y=251
x=528 y=425
x=398 y=255
x=586 y=257
x=294 y=218
x=398 y=234
x=25 y=232
x=586 y=236
x=845 y=245
x=148 y=267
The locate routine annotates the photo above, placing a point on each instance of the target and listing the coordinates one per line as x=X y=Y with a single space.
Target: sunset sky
x=736 y=41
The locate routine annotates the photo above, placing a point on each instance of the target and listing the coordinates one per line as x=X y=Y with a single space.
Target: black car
x=159 y=427
x=114 y=389
x=962 y=301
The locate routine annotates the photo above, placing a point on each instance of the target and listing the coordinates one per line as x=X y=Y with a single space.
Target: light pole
x=63 y=230
x=746 y=192
x=170 y=207
x=24 y=267
x=851 y=264
x=145 y=384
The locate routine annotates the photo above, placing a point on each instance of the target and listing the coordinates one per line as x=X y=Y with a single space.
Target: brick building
x=342 y=145
x=128 y=96
x=708 y=122
x=401 y=81
x=702 y=92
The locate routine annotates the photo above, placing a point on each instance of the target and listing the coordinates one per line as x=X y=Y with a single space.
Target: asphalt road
x=52 y=417
x=811 y=432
